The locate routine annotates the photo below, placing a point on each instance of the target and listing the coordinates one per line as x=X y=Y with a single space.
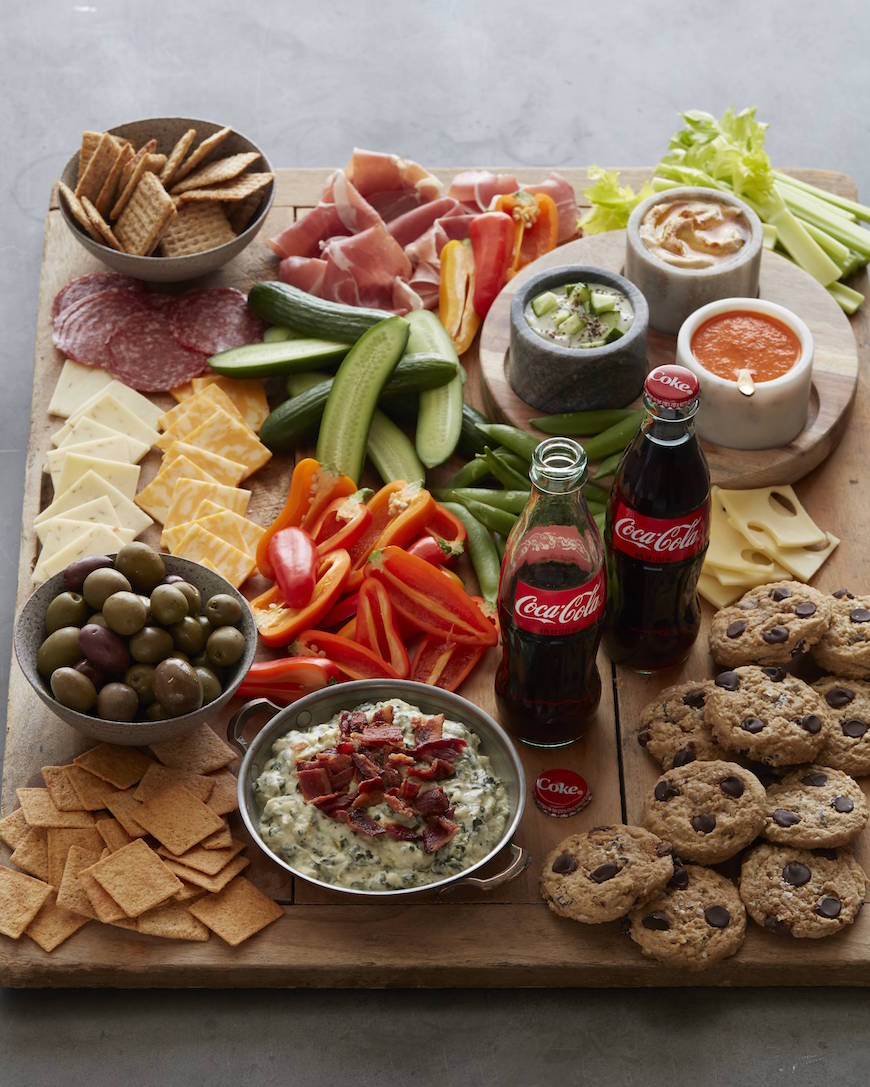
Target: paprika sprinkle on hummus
x=731 y=342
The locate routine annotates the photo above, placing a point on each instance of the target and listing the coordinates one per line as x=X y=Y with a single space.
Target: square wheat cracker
x=125 y=809
x=215 y=172
x=40 y=812
x=98 y=168
x=225 y=796
x=210 y=883
x=202 y=152
x=196 y=229
x=21 y=898
x=238 y=912
x=60 y=841
x=207 y=861
x=71 y=894
x=104 y=906
x=13 y=827
x=241 y=212
x=92 y=791
x=172 y=922
x=220 y=468
x=141 y=155
x=122 y=767
x=133 y=176
x=189 y=892
x=136 y=878
x=144 y=220
x=238 y=189
x=31 y=854
x=247 y=394
x=158 y=777
x=54 y=924
x=176 y=156
x=113 y=834
x=178 y=819
x=63 y=795
x=106 y=196
x=201 y=751
x=219 y=840
x=90 y=140
x=231 y=437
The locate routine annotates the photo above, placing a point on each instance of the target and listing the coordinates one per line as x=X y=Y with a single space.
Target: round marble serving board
x=835 y=367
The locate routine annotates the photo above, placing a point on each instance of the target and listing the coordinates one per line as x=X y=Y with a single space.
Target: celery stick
x=769 y=235
x=839 y=253
x=848 y=299
x=855 y=261
x=848 y=233
x=821 y=207
x=798 y=244
x=860 y=211
x=660 y=184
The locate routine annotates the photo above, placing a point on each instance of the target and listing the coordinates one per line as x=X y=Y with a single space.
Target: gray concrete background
x=495 y=82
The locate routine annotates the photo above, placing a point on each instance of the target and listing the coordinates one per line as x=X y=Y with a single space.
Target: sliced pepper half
x=376 y=626
x=444 y=664
x=399 y=512
x=278 y=623
x=287 y=678
x=456 y=294
x=537 y=226
x=352 y=659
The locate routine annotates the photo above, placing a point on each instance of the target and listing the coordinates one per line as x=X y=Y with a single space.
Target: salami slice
x=82 y=330
x=145 y=355
x=80 y=288
x=214 y=319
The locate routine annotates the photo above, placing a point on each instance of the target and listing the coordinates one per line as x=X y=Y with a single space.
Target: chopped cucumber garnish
x=614 y=334
x=561 y=317
x=608 y=320
x=572 y=325
x=544 y=303
x=581 y=290
x=601 y=302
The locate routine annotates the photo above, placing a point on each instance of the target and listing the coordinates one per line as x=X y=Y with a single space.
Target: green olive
x=97 y=620
x=177 y=687
x=67 y=610
x=125 y=613
x=146 y=600
x=225 y=646
x=177 y=655
x=223 y=610
x=156 y=712
x=73 y=689
x=201 y=660
x=100 y=584
x=141 y=678
x=59 y=650
x=188 y=635
x=204 y=623
x=211 y=685
x=150 y=645
x=141 y=564
x=168 y=604
x=117 y=702
x=194 y=600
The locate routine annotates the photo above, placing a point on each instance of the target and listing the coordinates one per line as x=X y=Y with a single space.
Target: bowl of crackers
x=166 y=199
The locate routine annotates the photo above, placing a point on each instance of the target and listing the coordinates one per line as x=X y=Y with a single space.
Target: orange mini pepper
x=278 y=623
x=537 y=225
x=456 y=294
x=399 y=513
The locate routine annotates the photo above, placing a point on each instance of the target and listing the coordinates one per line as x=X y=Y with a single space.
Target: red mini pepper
x=288 y=678
x=342 y=523
x=376 y=626
x=345 y=609
x=352 y=659
x=493 y=237
x=432 y=549
x=444 y=539
x=278 y=623
x=293 y=558
x=444 y=664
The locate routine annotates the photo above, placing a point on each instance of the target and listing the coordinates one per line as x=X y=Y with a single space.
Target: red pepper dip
x=740 y=340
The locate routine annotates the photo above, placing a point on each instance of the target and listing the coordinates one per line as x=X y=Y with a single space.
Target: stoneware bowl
x=673 y=293
x=167 y=131
x=554 y=378
x=777 y=410
x=30 y=631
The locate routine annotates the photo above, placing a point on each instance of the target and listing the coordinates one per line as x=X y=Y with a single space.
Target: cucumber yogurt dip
x=380 y=798
x=583 y=315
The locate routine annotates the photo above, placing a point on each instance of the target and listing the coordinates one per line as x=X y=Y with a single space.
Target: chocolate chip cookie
x=767 y=715
x=708 y=810
x=801 y=892
x=600 y=875
x=696 y=920
x=771 y=624
x=844 y=648
x=672 y=727
x=847 y=744
x=813 y=807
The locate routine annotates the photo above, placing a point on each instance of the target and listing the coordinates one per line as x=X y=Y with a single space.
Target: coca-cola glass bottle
x=551 y=605
x=657 y=529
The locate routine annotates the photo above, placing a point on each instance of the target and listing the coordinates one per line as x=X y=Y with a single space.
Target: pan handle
x=519 y=862
x=238 y=721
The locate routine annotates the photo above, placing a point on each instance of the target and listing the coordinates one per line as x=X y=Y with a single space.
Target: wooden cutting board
x=460 y=938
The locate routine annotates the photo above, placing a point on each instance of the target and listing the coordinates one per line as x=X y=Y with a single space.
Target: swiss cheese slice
x=730 y=550
x=61 y=531
x=718 y=595
x=247 y=394
x=220 y=468
x=804 y=562
x=124 y=477
x=98 y=511
x=198 y=544
x=89 y=430
x=91 y=486
x=157 y=497
x=249 y=531
x=141 y=407
x=189 y=493
x=113 y=449
x=96 y=540
x=773 y=512
x=221 y=433
x=746 y=579
x=75 y=386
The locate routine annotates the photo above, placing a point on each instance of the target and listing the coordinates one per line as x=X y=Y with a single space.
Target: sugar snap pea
x=594 y=493
x=613 y=439
x=481 y=550
x=609 y=465
x=599 y=518
x=503 y=472
x=512 y=501
x=475 y=471
x=511 y=437
x=496 y=520
x=575 y=423
x=500 y=543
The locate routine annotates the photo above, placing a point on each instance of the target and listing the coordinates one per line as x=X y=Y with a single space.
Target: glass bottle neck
x=668 y=423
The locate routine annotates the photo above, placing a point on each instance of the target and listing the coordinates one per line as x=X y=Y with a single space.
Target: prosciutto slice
x=342 y=211
x=476 y=188
x=376 y=172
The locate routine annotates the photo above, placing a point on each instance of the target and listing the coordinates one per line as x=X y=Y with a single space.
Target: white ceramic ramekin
x=776 y=412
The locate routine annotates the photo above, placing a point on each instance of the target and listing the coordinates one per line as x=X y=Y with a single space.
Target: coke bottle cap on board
x=561 y=792
x=671 y=385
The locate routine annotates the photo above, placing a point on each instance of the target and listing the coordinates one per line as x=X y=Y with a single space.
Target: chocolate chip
x=859 y=615
x=737 y=628
x=684 y=756
x=805 y=610
x=703 y=823
x=732 y=786
x=816 y=779
x=664 y=790
x=785 y=818
x=781 y=928
x=775 y=635
x=842 y=804
x=837 y=697
x=604 y=872
x=564 y=864
x=717 y=917
x=695 y=699
x=657 y=921
x=643 y=738
x=811 y=724
x=796 y=874
x=843 y=594
x=853 y=728
x=779 y=593
x=829 y=907
x=752 y=724
x=680 y=879
x=775 y=673
x=729 y=680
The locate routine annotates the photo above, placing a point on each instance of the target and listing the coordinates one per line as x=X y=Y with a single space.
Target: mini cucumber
x=276 y=334
x=341 y=443
x=391 y=452
x=281 y=304
x=439 y=421
x=277 y=357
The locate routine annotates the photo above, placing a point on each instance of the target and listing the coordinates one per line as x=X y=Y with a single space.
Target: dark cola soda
x=551 y=605
x=657 y=530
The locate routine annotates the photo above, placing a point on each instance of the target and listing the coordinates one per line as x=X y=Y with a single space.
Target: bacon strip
x=437 y=833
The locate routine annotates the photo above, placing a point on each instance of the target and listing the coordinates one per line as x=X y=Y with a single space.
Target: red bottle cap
x=561 y=792
x=671 y=385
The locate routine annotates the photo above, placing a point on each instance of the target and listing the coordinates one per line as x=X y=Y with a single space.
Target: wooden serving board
x=460 y=938
x=835 y=362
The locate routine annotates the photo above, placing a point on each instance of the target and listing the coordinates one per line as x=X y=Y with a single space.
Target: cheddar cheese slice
x=220 y=468
x=179 y=421
x=221 y=433
x=157 y=497
x=249 y=531
x=247 y=394
x=199 y=544
x=189 y=493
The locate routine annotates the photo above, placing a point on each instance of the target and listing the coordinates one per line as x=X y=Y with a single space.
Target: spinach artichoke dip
x=380 y=798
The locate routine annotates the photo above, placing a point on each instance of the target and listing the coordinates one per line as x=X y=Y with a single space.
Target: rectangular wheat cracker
x=216 y=172
x=136 y=878
x=238 y=189
x=89 y=145
x=202 y=152
x=196 y=229
x=106 y=196
x=98 y=168
x=176 y=156
x=122 y=767
x=144 y=220
x=178 y=819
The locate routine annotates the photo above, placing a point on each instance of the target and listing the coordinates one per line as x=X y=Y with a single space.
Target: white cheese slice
x=121 y=475
x=747 y=579
x=90 y=486
x=61 y=531
x=76 y=385
x=113 y=449
x=730 y=550
x=804 y=562
x=89 y=430
x=98 y=511
x=718 y=595
x=95 y=540
x=140 y=406
x=773 y=512
x=111 y=410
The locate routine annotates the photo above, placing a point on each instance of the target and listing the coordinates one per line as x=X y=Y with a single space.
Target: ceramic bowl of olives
x=135 y=648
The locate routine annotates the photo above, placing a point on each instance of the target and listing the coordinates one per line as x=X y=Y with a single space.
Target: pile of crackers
x=125 y=839
x=151 y=204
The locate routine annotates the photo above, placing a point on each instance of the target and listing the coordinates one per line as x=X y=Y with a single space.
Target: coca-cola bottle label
x=559 y=611
x=660 y=539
